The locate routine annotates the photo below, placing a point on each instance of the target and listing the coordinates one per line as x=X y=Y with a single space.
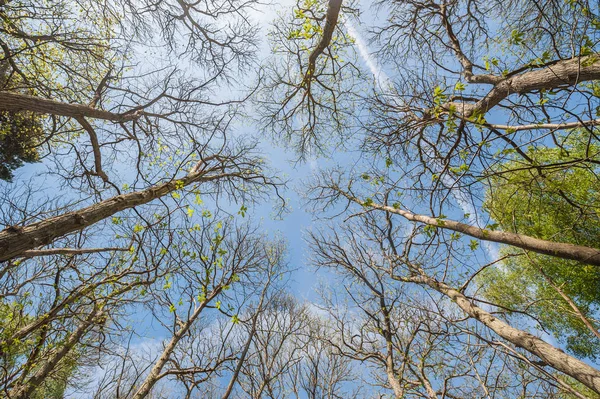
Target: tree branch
x=16 y=240
x=14 y=102
x=333 y=11
x=95 y=146
x=562 y=73
x=68 y=251
x=558 y=249
x=551 y=355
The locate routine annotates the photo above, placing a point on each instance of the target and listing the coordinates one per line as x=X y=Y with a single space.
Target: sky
x=298 y=220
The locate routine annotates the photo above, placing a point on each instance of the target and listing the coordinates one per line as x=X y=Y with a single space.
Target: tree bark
x=562 y=73
x=14 y=241
x=552 y=356
x=15 y=102
x=331 y=18
x=557 y=249
x=69 y=251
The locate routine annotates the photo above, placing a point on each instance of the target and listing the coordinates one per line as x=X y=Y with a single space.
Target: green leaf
x=492 y=226
x=516 y=37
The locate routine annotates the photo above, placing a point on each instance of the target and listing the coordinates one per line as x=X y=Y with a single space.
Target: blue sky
x=304 y=280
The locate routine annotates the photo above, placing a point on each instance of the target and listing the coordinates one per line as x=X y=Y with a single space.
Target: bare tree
x=309 y=83
x=411 y=259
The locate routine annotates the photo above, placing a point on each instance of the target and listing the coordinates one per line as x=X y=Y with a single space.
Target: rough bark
x=562 y=73
x=391 y=376
x=333 y=12
x=15 y=102
x=390 y=367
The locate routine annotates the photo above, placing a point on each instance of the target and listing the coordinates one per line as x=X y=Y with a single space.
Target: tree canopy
x=321 y=199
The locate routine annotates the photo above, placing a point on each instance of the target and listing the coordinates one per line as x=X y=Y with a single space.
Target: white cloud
x=384 y=83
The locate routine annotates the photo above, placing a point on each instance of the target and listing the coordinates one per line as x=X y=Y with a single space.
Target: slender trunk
x=14 y=241
x=95 y=147
x=552 y=356
x=390 y=367
x=572 y=304
x=26 y=389
x=391 y=376
x=428 y=388
x=557 y=249
x=155 y=373
x=240 y=363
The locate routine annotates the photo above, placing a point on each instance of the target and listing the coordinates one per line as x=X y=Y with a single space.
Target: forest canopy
x=310 y=198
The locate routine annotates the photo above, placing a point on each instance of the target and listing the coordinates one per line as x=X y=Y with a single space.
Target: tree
x=289 y=354
x=484 y=132
x=13 y=318
x=127 y=142
x=218 y=261
x=468 y=95
x=419 y=345
x=308 y=89
x=557 y=204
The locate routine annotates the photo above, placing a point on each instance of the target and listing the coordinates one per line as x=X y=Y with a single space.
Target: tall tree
x=557 y=204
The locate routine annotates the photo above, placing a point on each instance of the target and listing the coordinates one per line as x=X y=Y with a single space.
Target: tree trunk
x=15 y=102
x=25 y=390
x=552 y=356
x=14 y=241
x=562 y=73
x=155 y=373
x=557 y=249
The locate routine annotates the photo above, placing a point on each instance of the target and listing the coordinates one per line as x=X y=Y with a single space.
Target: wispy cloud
x=384 y=82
